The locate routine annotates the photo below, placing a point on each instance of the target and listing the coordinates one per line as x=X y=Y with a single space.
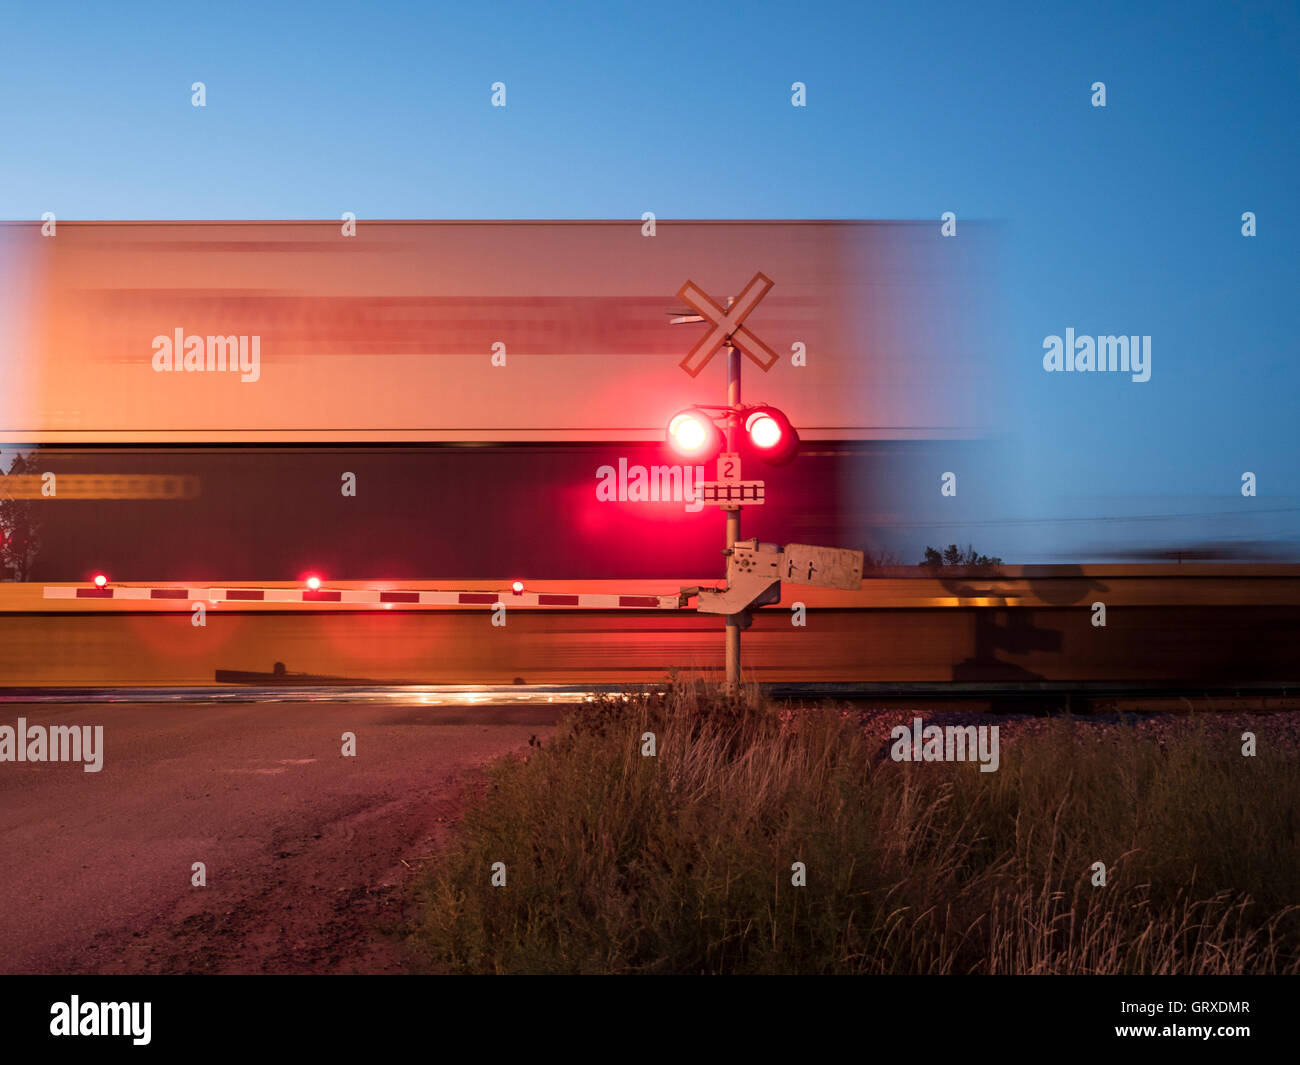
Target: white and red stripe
x=369 y=597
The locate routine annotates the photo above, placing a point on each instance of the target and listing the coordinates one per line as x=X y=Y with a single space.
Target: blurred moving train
x=477 y=331
x=471 y=399
x=453 y=402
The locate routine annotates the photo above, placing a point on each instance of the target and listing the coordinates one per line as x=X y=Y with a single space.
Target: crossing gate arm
x=366 y=597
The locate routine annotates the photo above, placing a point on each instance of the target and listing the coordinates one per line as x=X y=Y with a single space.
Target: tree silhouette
x=20 y=524
x=952 y=555
x=879 y=558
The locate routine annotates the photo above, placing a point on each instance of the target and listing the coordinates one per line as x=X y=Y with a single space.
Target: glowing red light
x=517 y=587
x=689 y=432
x=763 y=430
x=313 y=583
x=769 y=433
x=693 y=435
x=100 y=580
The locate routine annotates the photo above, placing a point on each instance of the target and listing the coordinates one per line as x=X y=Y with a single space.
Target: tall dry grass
x=681 y=862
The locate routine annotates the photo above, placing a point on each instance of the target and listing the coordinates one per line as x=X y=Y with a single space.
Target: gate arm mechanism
x=755 y=571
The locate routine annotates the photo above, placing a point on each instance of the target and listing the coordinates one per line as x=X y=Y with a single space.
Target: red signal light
x=313 y=582
x=771 y=435
x=517 y=587
x=100 y=580
x=693 y=435
x=763 y=430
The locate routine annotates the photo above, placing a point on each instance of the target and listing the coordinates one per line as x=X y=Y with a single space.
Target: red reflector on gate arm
x=322 y=597
x=557 y=600
x=479 y=597
x=94 y=593
x=167 y=593
x=638 y=600
x=399 y=597
x=252 y=595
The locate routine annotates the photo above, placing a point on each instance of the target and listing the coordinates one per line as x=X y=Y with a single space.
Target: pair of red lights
x=694 y=434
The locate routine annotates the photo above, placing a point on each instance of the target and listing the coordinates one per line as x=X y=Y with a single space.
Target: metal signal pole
x=733 y=510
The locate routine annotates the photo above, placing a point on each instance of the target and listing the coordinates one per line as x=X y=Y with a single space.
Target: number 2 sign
x=729 y=467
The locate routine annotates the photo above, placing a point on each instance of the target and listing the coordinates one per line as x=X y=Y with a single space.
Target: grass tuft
x=681 y=862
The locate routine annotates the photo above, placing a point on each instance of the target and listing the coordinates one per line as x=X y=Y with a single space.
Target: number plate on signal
x=729 y=468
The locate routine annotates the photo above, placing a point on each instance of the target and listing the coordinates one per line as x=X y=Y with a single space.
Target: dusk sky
x=1123 y=219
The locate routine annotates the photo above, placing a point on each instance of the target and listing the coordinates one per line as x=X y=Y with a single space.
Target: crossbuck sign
x=727 y=327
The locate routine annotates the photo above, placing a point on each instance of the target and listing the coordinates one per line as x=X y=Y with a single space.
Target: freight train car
x=472 y=399
x=317 y=332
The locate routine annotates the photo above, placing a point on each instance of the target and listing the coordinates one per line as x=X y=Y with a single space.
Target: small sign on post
x=731 y=493
x=827 y=567
x=729 y=467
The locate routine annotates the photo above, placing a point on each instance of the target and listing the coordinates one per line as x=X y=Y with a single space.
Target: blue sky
x=1117 y=220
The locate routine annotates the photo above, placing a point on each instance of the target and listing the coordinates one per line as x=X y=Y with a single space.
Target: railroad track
x=1032 y=697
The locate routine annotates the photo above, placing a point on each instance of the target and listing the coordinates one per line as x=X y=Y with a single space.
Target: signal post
x=754 y=570
x=734 y=621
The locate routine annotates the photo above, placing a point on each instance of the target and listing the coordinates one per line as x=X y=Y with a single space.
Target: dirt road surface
x=309 y=854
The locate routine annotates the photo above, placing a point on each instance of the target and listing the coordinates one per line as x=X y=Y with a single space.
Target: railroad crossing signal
x=754 y=570
x=727 y=328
